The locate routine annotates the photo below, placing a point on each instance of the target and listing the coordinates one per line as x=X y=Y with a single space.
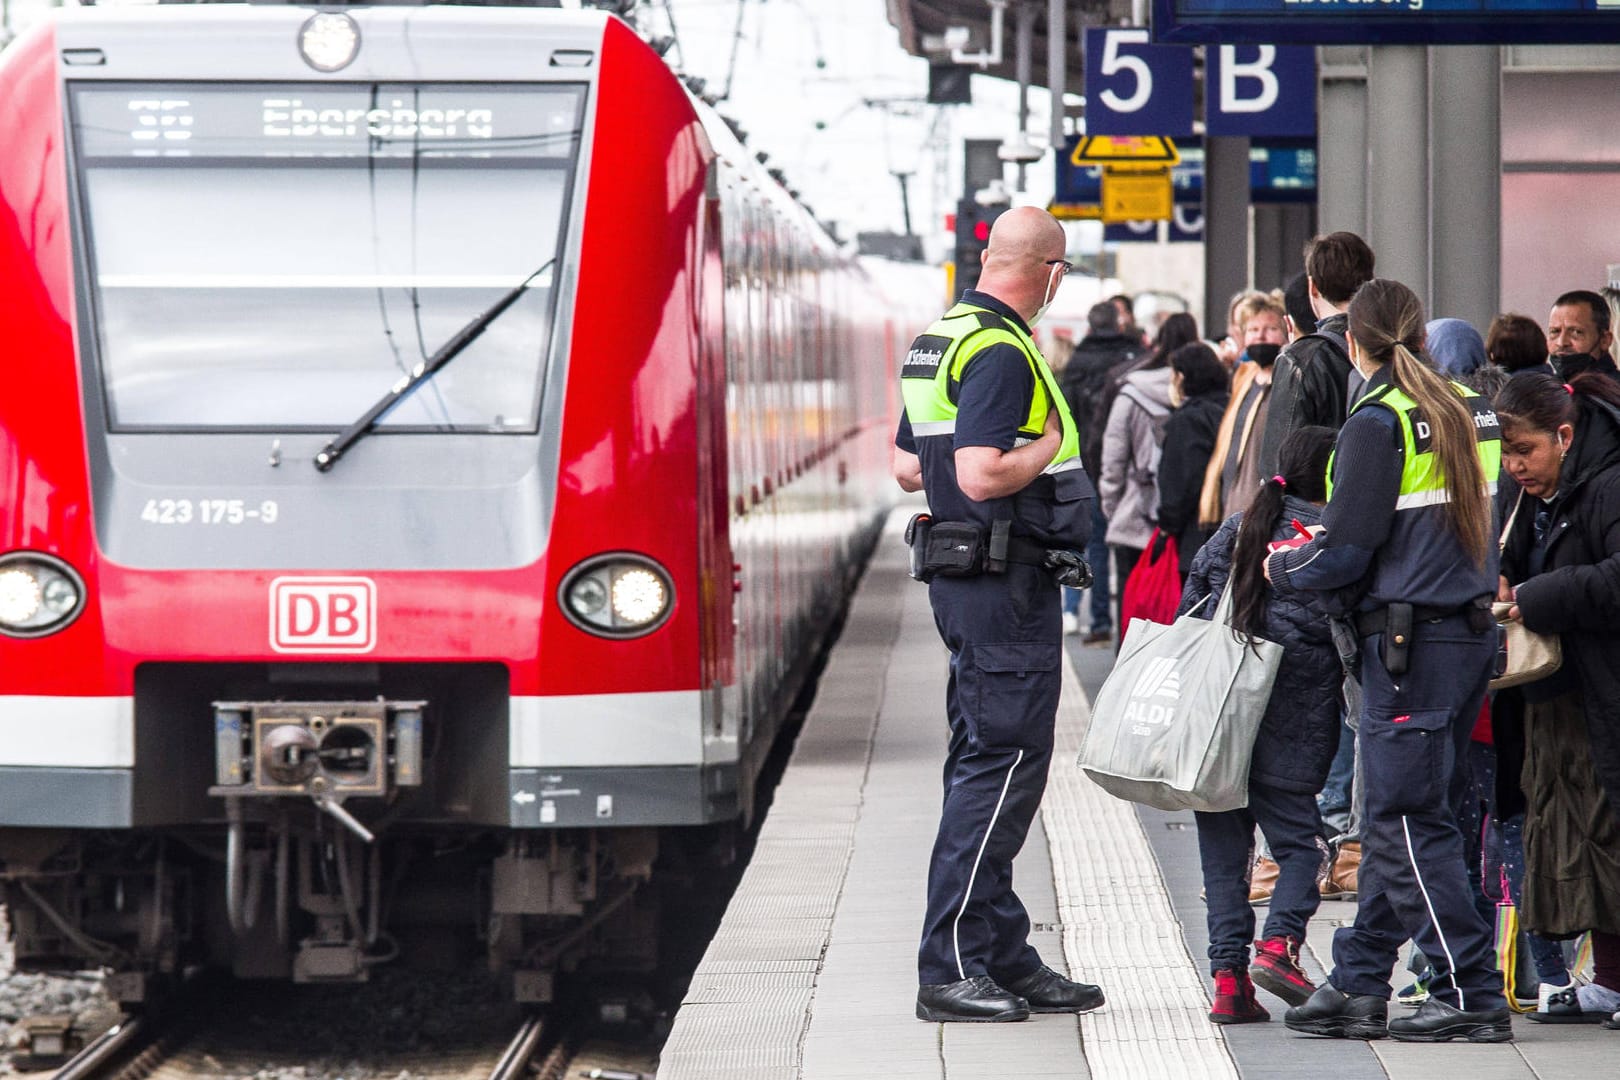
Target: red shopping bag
x=1153 y=591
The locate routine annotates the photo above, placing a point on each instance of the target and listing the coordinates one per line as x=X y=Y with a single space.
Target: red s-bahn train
x=432 y=451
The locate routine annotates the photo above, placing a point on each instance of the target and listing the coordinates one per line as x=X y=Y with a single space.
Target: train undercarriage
x=321 y=839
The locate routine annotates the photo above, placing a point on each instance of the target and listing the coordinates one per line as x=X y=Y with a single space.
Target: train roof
x=260 y=41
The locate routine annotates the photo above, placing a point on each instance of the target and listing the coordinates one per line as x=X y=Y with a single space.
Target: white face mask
x=1052 y=283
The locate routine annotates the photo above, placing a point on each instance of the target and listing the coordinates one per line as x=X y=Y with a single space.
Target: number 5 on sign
x=1135 y=88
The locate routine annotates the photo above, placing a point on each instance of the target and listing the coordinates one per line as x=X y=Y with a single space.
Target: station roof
x=922 y=25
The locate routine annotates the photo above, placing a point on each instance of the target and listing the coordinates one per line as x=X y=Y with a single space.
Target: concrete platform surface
x=812 y=974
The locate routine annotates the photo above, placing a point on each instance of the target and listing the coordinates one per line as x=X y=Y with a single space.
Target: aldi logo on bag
x=1153 y=699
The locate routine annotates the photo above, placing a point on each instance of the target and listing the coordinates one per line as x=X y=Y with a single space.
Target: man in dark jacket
x=1089 y=382
x=1312 y=381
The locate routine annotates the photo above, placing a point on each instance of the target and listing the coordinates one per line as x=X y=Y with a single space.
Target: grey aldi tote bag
x=1174 y=724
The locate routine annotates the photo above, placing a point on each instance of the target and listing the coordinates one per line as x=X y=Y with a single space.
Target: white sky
x=844 y=171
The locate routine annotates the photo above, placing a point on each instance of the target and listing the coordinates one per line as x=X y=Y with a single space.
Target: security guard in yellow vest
x=988 y=436
x=1409 y=549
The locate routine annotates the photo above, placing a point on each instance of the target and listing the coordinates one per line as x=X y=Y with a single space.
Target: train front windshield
x=266 y=256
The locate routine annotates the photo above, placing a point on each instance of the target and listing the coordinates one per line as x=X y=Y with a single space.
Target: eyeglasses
x=1065 y=263
x=1541 y=523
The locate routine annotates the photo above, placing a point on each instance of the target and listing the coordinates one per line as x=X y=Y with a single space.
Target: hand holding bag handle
x=1530 y=656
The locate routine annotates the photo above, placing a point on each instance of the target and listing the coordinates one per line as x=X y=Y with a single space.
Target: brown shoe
x=1342 y=878
x=1263 y=880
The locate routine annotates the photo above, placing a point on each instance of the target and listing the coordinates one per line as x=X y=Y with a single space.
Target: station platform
x=812 y=973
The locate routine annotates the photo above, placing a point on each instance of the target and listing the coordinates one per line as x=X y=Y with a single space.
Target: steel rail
x=100 y=1050
x=520 y=1051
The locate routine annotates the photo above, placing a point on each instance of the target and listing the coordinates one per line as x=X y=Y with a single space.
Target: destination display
x=1387 y=22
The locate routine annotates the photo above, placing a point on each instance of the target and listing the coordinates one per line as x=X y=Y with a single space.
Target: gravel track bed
x=23 y=995
x=403 y=1025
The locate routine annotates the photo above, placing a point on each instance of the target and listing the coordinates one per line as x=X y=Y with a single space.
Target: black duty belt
x=1377 y=621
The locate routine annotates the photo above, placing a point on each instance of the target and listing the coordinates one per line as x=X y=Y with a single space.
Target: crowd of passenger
x=1214 y=454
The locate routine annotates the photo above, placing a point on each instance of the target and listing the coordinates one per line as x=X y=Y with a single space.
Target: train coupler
x=327 y=750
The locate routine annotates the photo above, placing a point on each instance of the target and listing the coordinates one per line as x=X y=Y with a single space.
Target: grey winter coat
x=1129 y=483
x=1300 y=731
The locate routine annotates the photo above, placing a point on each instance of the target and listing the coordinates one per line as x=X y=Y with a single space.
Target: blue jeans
x=1335 y=798
x=1102 y=612
x=1226 y=851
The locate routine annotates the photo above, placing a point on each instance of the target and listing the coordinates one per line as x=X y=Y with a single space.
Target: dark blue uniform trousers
x=1004 y=632
x=1293 y=827
x=1414 y=884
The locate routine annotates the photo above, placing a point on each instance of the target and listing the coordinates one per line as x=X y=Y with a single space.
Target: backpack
x=1097 y=395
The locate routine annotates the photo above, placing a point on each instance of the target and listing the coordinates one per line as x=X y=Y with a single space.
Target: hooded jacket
x=1300 y=731
x=1128 y=485
x=1577 y=595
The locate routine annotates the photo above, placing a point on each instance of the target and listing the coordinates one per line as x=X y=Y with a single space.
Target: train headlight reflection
x=620 y=595
x=329 y=41
x=39 y=594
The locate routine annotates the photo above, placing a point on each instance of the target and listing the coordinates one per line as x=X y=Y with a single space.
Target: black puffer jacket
x=1577 y=596
x=1189 y=439
x=1300 y=731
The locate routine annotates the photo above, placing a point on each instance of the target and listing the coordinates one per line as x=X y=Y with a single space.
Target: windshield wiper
x=421 y=373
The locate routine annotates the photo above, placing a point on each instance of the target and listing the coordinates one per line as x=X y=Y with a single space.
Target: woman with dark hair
x=1408 y=542
x=1198 y=383
x=1561 y=569
x=1516 y=343
x=1297 y=739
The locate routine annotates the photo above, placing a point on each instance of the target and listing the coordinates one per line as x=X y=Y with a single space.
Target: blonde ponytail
x=1386 y=319
x=1468 y=511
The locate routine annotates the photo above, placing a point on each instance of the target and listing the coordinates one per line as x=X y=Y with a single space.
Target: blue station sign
x=1386 y=22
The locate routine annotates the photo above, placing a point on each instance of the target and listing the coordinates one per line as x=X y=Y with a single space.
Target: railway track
x=186 y=1048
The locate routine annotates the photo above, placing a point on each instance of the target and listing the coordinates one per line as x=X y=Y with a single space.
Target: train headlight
x=39 y=594
x=618 y=595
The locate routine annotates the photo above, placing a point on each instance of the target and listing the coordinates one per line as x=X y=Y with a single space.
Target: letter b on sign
x=1260 y=90
x=323 y=615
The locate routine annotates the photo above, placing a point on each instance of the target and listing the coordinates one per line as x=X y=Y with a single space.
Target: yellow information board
x=1136 y=195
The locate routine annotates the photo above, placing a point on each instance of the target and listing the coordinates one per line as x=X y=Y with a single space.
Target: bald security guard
x=987 y=434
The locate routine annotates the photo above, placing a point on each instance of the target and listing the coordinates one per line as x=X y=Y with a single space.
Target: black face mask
x=1264 y=355
x=1569 y=365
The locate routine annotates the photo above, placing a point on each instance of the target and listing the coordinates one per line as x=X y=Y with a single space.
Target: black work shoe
x=973 y=1001
x=1435 y=1021
x=1048 y=992
x=1338 y=1015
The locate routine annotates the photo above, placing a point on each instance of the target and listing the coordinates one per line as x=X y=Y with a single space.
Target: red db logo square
x=323 y=614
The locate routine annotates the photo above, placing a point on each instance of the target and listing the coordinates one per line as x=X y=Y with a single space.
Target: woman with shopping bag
x=1561 y=572
x=1409 y=544
x=1293 y=748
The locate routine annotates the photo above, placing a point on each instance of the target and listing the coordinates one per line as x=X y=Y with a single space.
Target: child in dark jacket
x=1292 y=752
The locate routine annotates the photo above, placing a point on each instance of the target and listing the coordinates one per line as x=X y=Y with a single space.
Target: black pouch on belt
x=953 y=549
x=1397 y=648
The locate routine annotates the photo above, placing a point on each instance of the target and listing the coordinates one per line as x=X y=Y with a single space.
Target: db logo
x=323 y=614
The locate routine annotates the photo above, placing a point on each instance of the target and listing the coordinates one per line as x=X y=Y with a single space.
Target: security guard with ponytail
x=987 y=435
x=1410 y=551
